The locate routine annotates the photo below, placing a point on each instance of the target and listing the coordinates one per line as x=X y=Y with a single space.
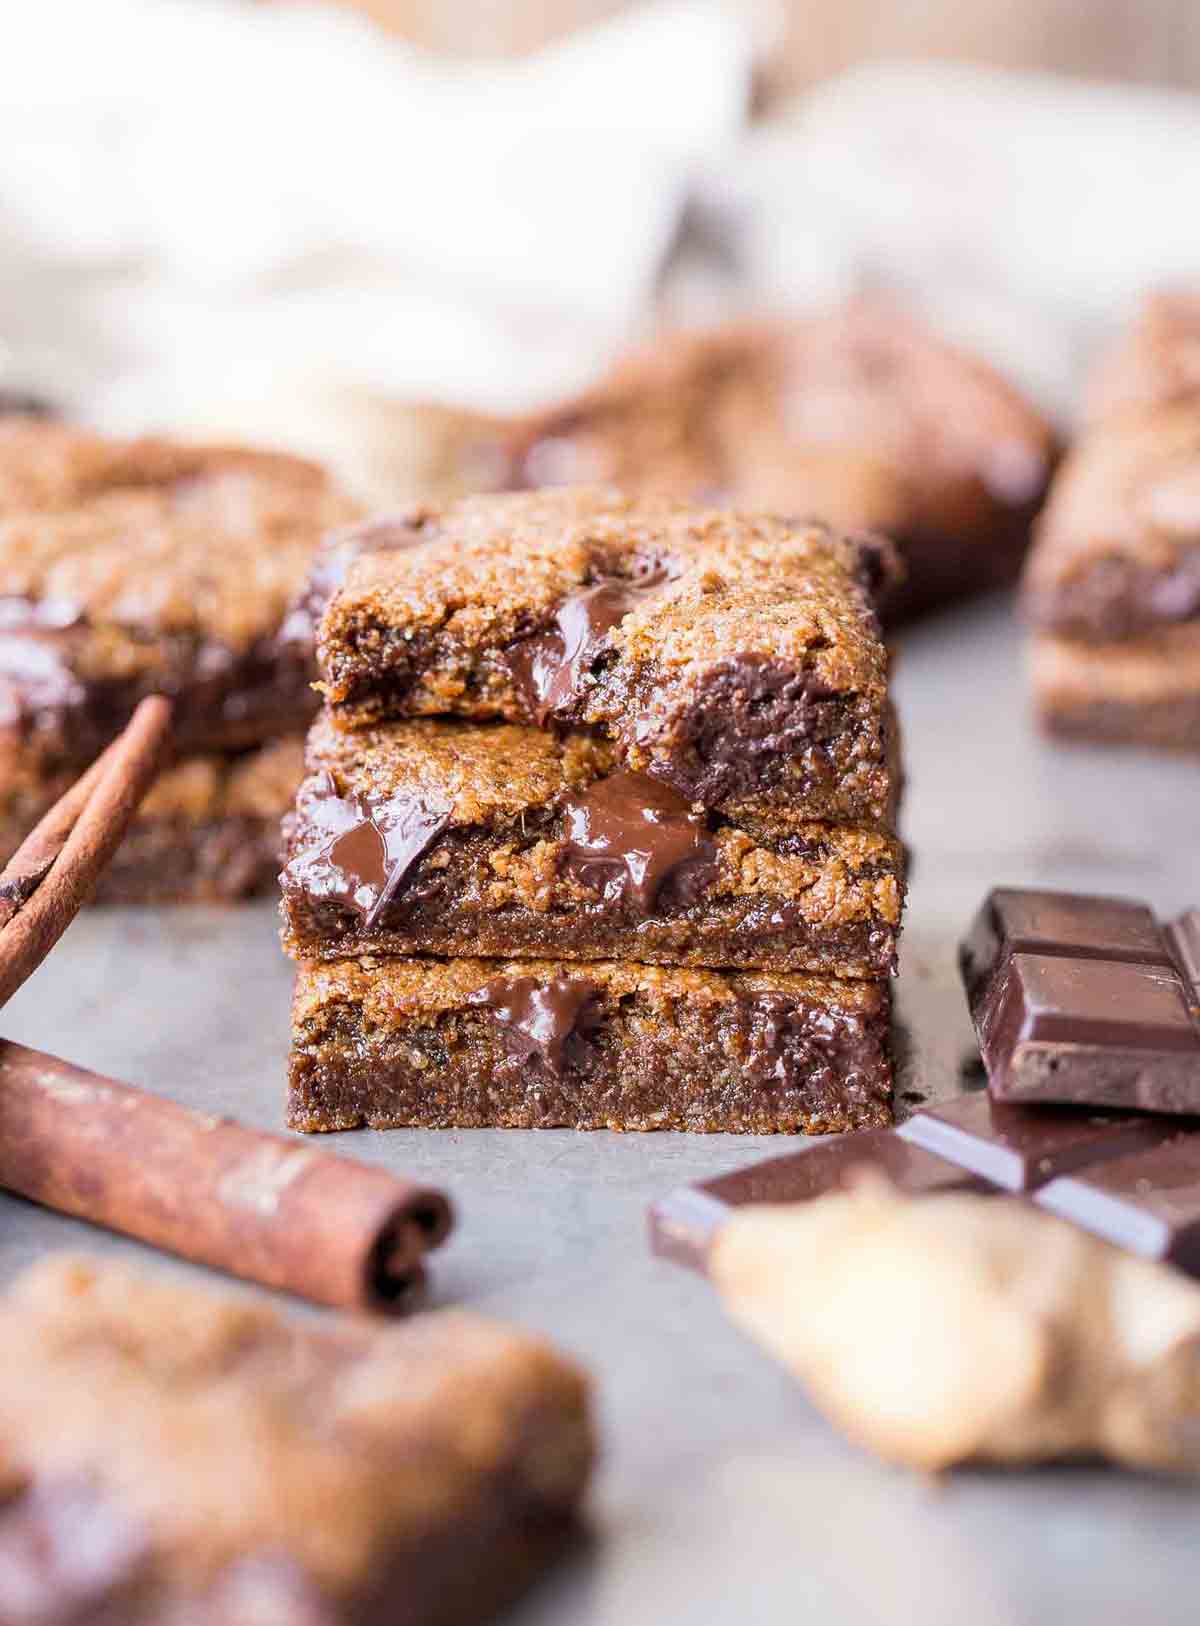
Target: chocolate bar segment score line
x=684 y=1223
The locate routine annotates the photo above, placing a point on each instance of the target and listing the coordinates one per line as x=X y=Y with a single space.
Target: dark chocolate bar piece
x=684 y=1223
x=1084 y=1001
x=1148 y=1203
x=1020 y=1148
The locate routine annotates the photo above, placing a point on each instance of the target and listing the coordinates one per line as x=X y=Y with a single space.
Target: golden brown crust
x=152 y=537
x=393 y=989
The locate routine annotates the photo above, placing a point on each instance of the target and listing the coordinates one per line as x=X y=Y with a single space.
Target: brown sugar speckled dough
x=137 y=567
x=735 y=658
x=173 y=1458
x=447 y=837
x=604 y=1045
x=858 y=416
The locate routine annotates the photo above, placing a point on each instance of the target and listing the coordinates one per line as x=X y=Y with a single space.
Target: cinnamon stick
x=55 y=870
x=271 y=1210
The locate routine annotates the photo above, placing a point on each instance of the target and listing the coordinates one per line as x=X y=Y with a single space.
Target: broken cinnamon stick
x=55 y=869
x=271 y=1210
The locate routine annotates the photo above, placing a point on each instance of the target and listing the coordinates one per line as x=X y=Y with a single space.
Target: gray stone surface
x=723 y=1499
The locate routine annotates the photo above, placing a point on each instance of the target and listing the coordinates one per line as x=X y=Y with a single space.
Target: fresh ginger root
x=950 y=1329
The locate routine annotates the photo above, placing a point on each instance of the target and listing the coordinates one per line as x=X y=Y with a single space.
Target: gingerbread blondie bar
x=1117 y=551
x=137 y=567
x=448 y=837
x=168 y=1456
x=605 y=1045
x=735 y=658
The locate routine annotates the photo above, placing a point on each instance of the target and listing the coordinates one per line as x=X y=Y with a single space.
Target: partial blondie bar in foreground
x=606 y=1045
x=445 y=837
x=736 y=658
x=142 y=567
x=170 y=1457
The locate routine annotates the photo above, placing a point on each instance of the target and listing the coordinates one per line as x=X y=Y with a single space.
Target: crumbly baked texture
x=446 y=837
x=1144 y=692
x=859 y=416
x=736 y=658
x=1117 y=550
x=169 y=1456
x=137 y=567
x=1154 y=362
x=528 y=1044
x=208 y=832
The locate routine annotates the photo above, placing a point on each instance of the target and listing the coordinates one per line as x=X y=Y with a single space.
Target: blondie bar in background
x=142 y=567
x=1112 y=586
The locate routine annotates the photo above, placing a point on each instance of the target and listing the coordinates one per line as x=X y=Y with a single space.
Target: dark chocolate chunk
x=550 y=669
x=629 y=838
x=1020 y=1148
x=541 y=1019
x=363 y=849
x=684 y=1223
x=1148 y=1203
x=1079 y=1000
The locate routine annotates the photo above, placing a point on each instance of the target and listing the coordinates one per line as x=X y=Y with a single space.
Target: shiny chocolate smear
x=360 y=850
x=628 y=837
x=551 y=668
x=539 y=1019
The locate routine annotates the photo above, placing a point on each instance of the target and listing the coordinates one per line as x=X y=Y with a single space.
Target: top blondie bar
x=735 y=657
x=147 y=566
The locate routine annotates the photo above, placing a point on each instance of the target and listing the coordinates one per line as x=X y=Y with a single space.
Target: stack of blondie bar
x=133 y=567
x=598 y=827
x=1113 y=583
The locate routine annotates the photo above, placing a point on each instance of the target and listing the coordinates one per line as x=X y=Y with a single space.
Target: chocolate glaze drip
x=360 y=850
x=628 y=837
x=546 y=1021
x=551 y=668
